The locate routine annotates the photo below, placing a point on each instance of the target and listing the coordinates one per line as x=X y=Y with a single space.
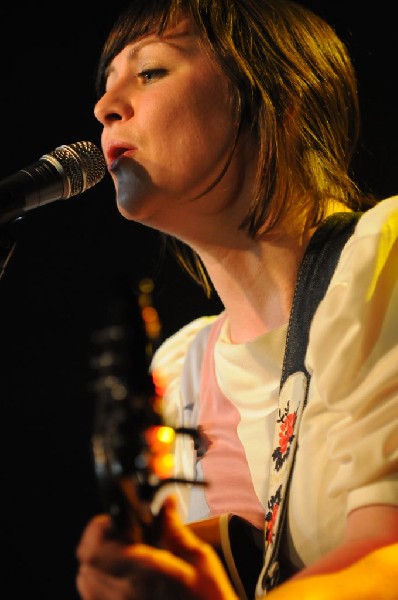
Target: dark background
x=72 y=258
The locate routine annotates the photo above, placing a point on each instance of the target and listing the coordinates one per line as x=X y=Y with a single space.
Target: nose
x=112 y=107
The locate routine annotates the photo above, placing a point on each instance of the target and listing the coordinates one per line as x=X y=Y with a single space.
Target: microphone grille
x=83 y=166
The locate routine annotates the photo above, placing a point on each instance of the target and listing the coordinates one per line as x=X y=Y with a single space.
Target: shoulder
x=379 y=224
x=175 y=347
x=353 y=334
x=169 y=360
x=358 y=314
x=371 y=247
x=374 y=219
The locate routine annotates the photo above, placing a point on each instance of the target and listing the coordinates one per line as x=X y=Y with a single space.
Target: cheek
x=196 y=127
x=207 y=109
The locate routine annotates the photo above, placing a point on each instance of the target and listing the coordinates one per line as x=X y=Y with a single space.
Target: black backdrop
x=71 y=257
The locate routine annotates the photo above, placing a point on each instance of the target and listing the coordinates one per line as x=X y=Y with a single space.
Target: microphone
x=67 y=171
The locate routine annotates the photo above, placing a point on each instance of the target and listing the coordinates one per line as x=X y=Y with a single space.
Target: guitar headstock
x=132 y=446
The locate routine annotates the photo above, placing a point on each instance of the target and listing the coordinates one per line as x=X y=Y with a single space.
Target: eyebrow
x=154 y=39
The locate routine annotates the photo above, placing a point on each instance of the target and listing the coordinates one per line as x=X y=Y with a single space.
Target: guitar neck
x=127 y=448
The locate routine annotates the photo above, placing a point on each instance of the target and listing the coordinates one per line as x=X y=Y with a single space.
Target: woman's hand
x=185 y=568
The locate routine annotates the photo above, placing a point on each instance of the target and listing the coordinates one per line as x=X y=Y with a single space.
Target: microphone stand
x=7 y=245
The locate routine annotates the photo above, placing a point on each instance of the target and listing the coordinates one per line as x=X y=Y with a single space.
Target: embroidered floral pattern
x=270 y=517
x=287 y=422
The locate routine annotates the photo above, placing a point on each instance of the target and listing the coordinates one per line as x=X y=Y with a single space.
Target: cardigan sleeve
x=178 y=355
x=168 y=365
x=353 y=358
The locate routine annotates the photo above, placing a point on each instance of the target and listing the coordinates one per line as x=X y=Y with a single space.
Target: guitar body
x=239 y=545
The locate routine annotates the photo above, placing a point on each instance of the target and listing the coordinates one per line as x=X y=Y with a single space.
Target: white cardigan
x=347 y=453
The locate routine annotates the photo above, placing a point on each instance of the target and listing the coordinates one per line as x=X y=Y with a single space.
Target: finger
x=99 y=548
x=179 y=538
x=142 y=584
x=162 y=561
x=93 y=584
x=209 y=575
x=94 y=533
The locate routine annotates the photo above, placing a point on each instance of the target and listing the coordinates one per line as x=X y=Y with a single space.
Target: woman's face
x=169 y=126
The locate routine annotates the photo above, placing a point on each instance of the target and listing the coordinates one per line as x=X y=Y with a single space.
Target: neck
x=256 y=279
x=256 y=284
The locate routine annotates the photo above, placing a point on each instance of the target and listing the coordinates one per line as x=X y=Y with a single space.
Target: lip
x=114 y=151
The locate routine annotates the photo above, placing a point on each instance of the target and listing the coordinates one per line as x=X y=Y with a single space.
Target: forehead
x=182 y=35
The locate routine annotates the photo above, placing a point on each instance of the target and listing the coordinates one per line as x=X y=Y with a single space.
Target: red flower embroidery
x=286 y=432
x=270 y=517
x=286 y=436
x=271 y=523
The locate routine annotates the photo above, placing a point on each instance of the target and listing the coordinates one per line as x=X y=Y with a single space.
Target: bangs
x=141 y=17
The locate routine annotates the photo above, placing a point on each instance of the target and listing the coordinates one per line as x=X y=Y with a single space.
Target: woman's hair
x=295 y=88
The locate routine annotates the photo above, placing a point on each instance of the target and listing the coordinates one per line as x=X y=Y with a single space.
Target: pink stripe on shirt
x=225 y=467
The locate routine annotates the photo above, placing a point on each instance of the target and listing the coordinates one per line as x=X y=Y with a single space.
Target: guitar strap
x=316 y=270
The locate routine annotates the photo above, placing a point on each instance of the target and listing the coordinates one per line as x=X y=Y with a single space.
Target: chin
x=132 y=200
x=133 y=188
x=130 y=208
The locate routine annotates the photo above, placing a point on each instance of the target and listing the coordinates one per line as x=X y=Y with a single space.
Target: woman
x=230 y=127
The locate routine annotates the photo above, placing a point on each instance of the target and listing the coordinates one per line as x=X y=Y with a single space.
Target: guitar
x=133 y=448
x=239 y=546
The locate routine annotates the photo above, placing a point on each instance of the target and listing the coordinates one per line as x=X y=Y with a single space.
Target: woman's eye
x=149 y=75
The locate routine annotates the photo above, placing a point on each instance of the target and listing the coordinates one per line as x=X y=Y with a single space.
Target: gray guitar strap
x=317 y=267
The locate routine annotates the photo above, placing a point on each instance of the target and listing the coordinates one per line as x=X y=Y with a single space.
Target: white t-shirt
x=347 y=454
